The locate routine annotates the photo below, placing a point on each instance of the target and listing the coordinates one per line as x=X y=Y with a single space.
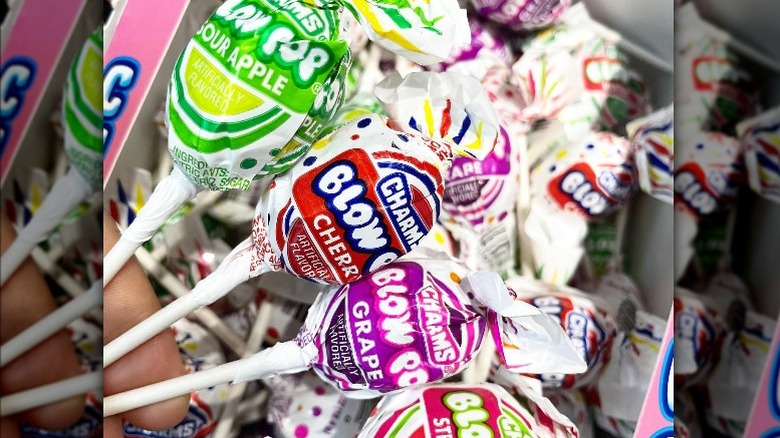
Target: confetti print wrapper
x=199 y=350
x=732 y=386
x=714 y=91
x=623 y=384
x=622 y=298
x=546 y=81
x=302 y=405
x=479 y=201
x=452 y=409
x=761 y=137
x=486 y=50
x=507 y=101
x=653 y=137
x=413 y=322
x=612 y=93
x=583 y=317
x=709 y=175
x=440 y=240
x=572 y=184
x=423 y=31
x=447 y=107
x=521 y=14
x=730 y=296
x=697 y=337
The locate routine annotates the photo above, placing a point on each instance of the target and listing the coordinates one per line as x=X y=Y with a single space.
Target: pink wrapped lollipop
x=545 y=80
x=462 y=410
x=363 y=196
x=521 y=14
x=584 y=319
x=409 y=323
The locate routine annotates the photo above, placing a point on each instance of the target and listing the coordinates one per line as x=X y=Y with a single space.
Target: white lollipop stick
x=51 y=324
x=169 y=195
x=236 y=393
x=205 y=315
x=202 y=203
x=51 y=393
x=64 y=196
x=234 y=270
x=282 y=357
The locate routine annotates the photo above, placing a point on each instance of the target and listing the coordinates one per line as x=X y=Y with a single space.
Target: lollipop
x=761 y=137
x=360 y=198
x=452 y=409
x=409 y=323
x=82 y=113
x=613 y=94
x=242 y=103
x=653 y=137
x=583 y=318
x=486 y=50
x=478 y=200
x=706 y=182
x=577 y=182
x=257 y=83
x=521 y=14
x=545 y=81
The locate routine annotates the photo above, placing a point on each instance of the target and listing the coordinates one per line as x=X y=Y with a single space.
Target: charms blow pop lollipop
x=258 y=82
x=360 y=198
x=582 y=180
x=457 y=409
x=82 y=114
x=653 y=137
x=409 y=323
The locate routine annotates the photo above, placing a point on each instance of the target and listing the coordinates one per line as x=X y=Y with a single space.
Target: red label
x=580 y=190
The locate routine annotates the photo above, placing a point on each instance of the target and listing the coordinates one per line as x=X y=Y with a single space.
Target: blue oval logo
x=666 y=432
x=774 y=387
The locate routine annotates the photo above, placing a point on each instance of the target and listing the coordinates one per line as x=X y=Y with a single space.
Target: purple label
x=473 y=186
x=522 y=13
x=397 y=327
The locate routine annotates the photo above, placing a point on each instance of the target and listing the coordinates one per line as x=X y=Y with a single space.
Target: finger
x=24 y=300
x=128 y=300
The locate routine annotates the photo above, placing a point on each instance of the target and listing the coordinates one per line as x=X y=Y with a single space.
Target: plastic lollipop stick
x=223 y=136
x=276 y=359
x=51 y=324
x=51 y=393
x=225 y=278
x=205 y=315
x=81 y=110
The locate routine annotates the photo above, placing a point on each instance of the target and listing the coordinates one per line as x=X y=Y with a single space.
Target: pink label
x=28 y=60
x=141 y=39
x=452 y=412
x=764 y=419
x=657 y=417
